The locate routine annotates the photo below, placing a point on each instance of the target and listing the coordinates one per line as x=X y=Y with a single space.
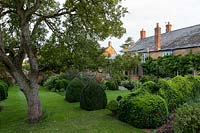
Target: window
x=166 y=53
x=144 y=57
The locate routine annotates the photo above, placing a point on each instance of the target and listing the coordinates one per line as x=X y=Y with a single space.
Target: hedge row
x=149 y=105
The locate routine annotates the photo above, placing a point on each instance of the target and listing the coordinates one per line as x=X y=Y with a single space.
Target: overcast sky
x=146 y=13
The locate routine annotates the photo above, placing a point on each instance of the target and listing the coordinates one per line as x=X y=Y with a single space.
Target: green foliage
x=172 y=96
x=125 y=62
x=187 y=119
x=73 y=90
x=51 y=81
x=3 y=90
x=151 y=86
x=56 y=82
x=93 y=97
x=61 y=84
x=131 y=84
x=113 y=106
x=143 y=111
x=112 y=85
x=148 y=78
x=195 y=85
x=183 y=86
x=170 y=66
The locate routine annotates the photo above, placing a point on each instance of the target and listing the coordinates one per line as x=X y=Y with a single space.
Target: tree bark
x=30 y=90
x=34 y=106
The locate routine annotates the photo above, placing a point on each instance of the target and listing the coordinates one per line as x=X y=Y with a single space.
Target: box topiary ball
x=143 y=111
x=73 y=90
x=93 y=97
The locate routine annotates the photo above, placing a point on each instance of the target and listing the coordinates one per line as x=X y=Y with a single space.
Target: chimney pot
x=157 y=38
x=168 y=27
x=142 y=34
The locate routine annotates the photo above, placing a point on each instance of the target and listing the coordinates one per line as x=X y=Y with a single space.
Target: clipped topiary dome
x=144 y=111
x=93 y=97
x=73 y=90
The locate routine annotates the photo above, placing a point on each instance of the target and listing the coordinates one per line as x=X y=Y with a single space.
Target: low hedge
x=143 y=111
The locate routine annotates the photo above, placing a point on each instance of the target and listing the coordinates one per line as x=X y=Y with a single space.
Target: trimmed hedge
x=93 y=97
x=143 y=111
x=3 y=90
x=73 y=90
x=112 y=85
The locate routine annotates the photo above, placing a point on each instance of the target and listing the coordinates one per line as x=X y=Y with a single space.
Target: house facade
x=178 y=42
x=110 y=52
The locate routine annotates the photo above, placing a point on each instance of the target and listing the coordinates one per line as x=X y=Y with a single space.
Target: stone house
x=177 y=42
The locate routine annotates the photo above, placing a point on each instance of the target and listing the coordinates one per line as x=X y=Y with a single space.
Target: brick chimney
x=109 y=43
x=168 y=27
x=157 y=39
x=142 y=34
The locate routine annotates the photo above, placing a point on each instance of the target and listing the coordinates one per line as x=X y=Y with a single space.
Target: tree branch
x=34 y=8
x=60 y=12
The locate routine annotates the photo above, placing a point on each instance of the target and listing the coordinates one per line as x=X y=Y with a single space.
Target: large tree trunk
x=30 y=90
x=34 y=106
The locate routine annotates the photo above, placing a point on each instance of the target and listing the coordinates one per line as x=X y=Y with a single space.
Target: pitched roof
x=183 y=38
x=110 y=50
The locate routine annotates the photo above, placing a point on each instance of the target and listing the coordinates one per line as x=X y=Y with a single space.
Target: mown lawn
x=59 y=116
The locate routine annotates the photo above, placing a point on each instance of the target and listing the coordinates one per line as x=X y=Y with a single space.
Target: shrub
x=73 y=90
x=187 y=119
x=143 y=111
x=93 y=97
x=56 y=82
x=195 y=85
x=172 y=97
x=183 y=87
x=151 y=86
x=113 y=106
x=61 y=84
x=112 y=85
x=3 y=90
x=51 y=81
